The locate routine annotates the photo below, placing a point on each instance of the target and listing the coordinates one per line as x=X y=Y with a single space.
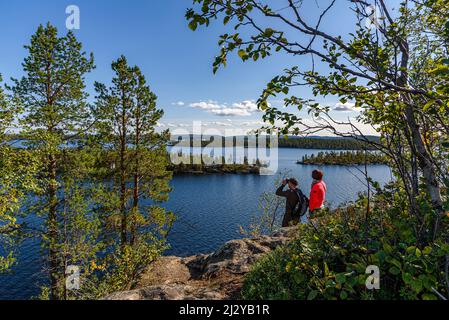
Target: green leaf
x=418 y=253
x=394 y=270
x=427 y=282
x=340 y=278
x=343 y=295
x=312 y=295
x=411 y=250
x=416 y=285
x=263 y=105
x=407 y=277
x=299 y=277
x=193 y=25
x=268 y=32
x=326 y=269
x=428 y=105
x=429 y=296
x=387 y=248
x=242 y=53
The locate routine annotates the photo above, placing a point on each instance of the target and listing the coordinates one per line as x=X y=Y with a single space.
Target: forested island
x=199 y=169
x=327 y=143
x=180 y=163
x=343 y=158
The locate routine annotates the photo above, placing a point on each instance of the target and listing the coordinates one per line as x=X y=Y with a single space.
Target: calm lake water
x=210 y=208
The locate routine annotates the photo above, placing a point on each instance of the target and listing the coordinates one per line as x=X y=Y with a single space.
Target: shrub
x=328 y=258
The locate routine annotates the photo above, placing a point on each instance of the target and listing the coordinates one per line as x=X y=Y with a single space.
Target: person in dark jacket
x=292 y=200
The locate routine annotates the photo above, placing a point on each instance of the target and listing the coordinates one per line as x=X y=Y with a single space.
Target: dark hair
x=317 y=174
x=293 y=181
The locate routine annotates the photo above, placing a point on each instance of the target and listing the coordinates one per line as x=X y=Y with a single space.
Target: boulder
x=215 y=276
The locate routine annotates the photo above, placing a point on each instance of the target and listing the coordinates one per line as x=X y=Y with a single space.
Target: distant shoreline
x=214 y=169
x=310 y=143
x=340 y=164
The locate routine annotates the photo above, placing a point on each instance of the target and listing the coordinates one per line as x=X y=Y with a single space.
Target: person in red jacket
x=318 y=192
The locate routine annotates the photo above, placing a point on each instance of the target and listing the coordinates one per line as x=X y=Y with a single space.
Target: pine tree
x=55 y=112
x=127 y=116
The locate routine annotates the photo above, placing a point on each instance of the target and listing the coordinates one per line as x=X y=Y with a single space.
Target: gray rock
x=215 y=276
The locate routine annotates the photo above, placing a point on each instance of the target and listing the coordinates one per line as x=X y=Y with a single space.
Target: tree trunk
x=136 y=179
x=53 y=231
x=123 y=195
x=124 y=223
x=418 y=148
x=135 y=207
x=425 y=162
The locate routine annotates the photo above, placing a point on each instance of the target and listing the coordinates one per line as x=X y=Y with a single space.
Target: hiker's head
x=292 y=183
x=317 y=175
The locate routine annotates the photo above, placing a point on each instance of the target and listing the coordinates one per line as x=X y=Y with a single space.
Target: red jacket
x=317 y=195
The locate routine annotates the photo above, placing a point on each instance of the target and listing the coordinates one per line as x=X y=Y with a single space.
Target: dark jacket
x=290 y=204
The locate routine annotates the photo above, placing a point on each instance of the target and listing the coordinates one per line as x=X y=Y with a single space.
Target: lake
x=210 y=208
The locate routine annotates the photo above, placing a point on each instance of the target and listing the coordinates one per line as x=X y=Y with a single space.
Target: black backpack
x=303 y=204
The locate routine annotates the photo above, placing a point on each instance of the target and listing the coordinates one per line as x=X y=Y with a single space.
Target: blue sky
x=176 y=61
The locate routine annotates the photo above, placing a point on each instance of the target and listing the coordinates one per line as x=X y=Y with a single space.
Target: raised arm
x=280 y=191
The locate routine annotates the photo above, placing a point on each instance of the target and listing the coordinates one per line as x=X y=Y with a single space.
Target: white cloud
x=209 y=105
x=179 y=103
x=348 y=106
x=244 y=108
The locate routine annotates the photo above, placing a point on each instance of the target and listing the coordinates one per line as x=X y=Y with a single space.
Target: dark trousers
x=289 y=220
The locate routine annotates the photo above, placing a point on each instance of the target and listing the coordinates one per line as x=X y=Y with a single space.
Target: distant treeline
x=290 y=142
x=327 y=143
x=344 y=158
x=322 y=143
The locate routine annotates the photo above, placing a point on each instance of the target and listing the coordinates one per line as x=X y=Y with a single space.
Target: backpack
x=303 y=204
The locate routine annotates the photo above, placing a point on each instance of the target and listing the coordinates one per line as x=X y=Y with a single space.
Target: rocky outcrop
x=214 y=276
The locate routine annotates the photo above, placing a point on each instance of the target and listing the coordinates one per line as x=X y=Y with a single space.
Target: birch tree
x=390 y=67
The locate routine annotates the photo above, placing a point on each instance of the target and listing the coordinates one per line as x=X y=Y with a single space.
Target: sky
x=177 y=62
